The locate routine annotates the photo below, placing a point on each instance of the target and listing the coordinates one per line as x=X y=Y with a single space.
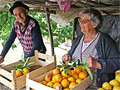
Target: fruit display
x=66 y=76
x=23 y=68
x=113 y=84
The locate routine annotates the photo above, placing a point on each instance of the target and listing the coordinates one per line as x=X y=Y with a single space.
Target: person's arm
x=37 y=40
x=110 y=56
x=1 y=59
x=8 y=43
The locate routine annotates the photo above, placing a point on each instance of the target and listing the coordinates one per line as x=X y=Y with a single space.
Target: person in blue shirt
x=26 y=29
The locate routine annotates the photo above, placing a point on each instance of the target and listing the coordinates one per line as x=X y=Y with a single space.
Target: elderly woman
x=98 y=48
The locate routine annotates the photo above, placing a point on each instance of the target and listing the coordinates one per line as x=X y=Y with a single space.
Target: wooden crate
x=37 y=86
x=8 y=75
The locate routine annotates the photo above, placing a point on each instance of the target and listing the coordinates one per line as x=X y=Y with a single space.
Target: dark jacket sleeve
x=108 y=54
x=108 y=57
x=9 y=42
x=37 y=40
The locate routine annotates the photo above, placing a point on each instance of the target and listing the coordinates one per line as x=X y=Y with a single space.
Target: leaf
x=74 y=64
x=28 y=67
x=18 y=67
x=22 y=61
x=78 y=62
x=59 y=66
x=71 y=61
x=84 y=60
x=30 y=63
x=26 y=61
x=89 y=71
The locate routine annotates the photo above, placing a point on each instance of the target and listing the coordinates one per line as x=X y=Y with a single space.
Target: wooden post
x=50 y=31
x=74 y=28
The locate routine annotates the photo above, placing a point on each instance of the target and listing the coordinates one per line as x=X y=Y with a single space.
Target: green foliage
x=6 y=24
x=24 y=64
x=70 y=65
x=7 y=21
x=86 y=67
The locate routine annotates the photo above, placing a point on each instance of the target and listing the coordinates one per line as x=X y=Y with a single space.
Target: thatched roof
x=109 y=7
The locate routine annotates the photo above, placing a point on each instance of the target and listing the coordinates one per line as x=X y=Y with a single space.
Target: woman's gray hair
x=95 y=16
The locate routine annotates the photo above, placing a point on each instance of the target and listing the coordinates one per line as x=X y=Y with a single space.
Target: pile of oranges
x=66 y=81
x=114 y=84
x=22 y=72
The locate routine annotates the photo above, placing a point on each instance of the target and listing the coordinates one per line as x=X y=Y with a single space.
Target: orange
x=72 y=85
x=117 y=77
x=65 y=83
x=61 y=69
x=75 y=76
x=40 y=82
x=82 y=67
x=50 y=84
x=66 y=88
x=53 y=79
x=78 y=80
x=71 y=79
x=65 y=75
x=117 y=87
x=83 y=74
x=56 y=71
x=56 y=84
x=26 y=70
x=18 y=73
x=44 y=82
x=48 y=77
x=72 y=72
x=58 y=78
x=77 y=70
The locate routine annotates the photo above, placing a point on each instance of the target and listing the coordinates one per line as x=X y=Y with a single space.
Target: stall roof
x=108 y=7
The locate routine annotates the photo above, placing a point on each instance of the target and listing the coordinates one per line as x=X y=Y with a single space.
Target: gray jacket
x=108 y=57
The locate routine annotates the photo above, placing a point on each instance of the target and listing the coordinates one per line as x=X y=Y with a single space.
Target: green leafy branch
x=24 y=65
x=66 y=66
x=86 y=67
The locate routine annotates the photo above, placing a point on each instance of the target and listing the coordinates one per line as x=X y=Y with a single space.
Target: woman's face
x=20 y=14
x=86 y=24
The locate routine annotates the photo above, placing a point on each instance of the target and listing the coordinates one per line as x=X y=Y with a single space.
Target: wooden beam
x=50 y=31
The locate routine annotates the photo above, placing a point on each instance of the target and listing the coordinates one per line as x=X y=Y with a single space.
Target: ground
x=16 y=54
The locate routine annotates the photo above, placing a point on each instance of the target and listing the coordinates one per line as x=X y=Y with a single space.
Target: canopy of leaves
x=59 y=33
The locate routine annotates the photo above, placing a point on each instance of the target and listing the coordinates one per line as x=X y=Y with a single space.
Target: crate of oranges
x=14 y=74
x=62 y=77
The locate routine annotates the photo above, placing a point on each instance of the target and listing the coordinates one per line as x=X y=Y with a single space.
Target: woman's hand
x=1 y=59
x=66 y=57
x=92 y=63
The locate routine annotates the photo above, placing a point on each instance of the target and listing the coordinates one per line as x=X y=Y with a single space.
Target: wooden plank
x=20 y=82
x=41 y=71
x=10 y=66
x=36 y=85
x=44 y=56
x=6 y=82
x=41 y=78
x=83 y=85
x=6 y=74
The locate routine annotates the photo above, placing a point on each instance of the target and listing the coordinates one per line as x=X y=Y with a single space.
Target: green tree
x=59 y=32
